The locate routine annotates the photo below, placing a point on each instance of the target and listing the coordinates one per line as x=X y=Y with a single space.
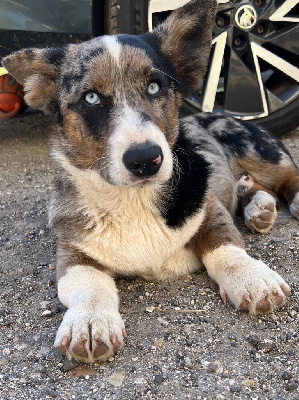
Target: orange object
x=11 y=97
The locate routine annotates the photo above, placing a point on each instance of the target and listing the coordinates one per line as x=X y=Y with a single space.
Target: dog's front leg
x=248 y=283
x=92 y=328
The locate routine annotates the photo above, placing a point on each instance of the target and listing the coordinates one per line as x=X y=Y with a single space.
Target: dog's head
x=117 y=98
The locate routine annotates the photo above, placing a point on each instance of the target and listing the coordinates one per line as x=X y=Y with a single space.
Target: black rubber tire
x=126 y=16
x=130 y=16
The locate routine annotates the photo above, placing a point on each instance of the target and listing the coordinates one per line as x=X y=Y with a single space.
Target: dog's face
x=117 y=98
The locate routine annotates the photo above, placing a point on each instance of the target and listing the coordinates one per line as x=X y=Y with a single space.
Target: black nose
x=143 y=160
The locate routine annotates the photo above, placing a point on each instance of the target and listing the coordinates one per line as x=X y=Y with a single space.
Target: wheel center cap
x=246 y=17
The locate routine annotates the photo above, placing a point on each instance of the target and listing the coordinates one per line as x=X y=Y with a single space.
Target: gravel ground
x=183 y=342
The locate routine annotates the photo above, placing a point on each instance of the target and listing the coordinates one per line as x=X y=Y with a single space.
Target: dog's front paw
x=90 y=336
x=254 y=287
x=260 y=213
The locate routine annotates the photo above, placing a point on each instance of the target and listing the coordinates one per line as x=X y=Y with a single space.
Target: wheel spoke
x=212 y=77
x=288 y=41
x=278 y=62
x=244 y=90
x=283 y=10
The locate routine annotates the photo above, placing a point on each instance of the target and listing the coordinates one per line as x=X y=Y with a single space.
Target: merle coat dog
x=139 y=191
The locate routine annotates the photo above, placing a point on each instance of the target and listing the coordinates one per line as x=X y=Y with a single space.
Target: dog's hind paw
x=90 y=336
x=260 y=213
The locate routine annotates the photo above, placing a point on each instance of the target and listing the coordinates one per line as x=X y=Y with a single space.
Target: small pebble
x=235 y=389
x=46 y=313
x=158 y=379
x=287 y=375
x=291 y=386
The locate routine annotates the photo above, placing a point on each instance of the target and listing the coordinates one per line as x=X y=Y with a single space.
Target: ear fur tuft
x=36 y=70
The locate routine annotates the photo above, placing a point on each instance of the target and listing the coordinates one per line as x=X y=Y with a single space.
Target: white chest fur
x=125 y=231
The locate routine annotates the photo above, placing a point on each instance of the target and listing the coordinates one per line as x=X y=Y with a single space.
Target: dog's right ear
x=186 y=39
x=36 y=70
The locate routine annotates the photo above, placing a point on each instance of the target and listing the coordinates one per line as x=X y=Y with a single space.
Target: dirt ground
x=183 y=342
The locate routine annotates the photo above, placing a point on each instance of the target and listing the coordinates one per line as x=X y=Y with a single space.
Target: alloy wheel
x=254 y=60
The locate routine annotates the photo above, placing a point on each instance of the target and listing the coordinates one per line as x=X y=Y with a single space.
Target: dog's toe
x=99 y=347
x=79 y=347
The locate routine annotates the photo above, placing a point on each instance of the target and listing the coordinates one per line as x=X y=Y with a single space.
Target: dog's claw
x=224 y=297
x=63 y=345
x=115 y=342
x=286 y=289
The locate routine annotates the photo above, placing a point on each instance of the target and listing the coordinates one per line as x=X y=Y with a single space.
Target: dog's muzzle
x=143 y=160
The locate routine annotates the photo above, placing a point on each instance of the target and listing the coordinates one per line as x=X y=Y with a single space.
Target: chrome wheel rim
x=254 y=62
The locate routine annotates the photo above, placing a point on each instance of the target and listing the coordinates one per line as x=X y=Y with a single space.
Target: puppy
x=139 y=191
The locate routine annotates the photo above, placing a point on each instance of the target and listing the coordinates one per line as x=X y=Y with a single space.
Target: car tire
x=131 y=17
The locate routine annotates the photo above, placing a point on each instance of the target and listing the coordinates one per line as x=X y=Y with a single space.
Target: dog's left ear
x=36 y=70
x=186 y=38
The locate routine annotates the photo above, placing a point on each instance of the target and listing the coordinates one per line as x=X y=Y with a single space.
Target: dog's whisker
x=169 y=76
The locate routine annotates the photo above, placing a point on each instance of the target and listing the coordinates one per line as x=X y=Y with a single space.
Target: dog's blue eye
x=153 y=88
x=92 y=98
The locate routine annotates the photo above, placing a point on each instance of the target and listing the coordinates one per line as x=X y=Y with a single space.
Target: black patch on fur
x=30 y=54
x=145 y=117
x=96 y=52
x=96 y=117
x=238 y=136
x=187 y=190
x=71 y=78
x=55 y=111
x=54 y=55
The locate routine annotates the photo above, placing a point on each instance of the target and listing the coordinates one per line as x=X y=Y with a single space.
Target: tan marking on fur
x=31 y=68
x=216 y=230
x=282 y=179
x=68 y=256
x=127 y=81
x=83 y=150
x=268 y=175
x=289 y=187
